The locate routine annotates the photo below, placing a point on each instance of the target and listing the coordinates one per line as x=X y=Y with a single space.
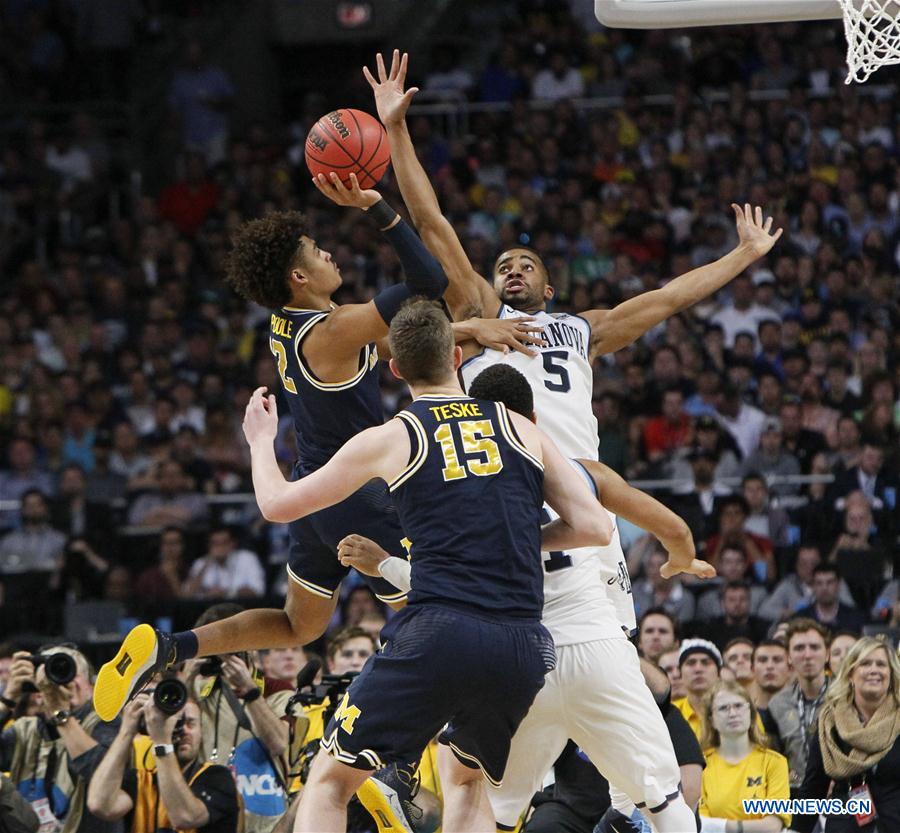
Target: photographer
x=244 y=727
x=50 y=756
x=181 y=792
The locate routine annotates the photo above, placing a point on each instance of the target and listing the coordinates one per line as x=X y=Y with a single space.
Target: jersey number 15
x=482 y=453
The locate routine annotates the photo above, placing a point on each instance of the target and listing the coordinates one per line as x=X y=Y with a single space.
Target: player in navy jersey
x=468 y=480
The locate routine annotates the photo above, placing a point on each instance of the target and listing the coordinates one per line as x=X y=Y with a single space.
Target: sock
x=185 y=647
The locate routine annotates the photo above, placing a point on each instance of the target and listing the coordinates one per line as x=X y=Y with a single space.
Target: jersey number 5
x=475 y=435
x=555 y=365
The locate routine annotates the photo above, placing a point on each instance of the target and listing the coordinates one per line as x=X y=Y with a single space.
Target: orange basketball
x=348 y=141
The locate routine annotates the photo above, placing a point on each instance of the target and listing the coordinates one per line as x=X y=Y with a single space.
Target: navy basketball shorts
x=313 y=561
x=468 y=676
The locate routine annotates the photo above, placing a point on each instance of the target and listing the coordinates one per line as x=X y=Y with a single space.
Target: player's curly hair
x=502 y=383
x=263 y=253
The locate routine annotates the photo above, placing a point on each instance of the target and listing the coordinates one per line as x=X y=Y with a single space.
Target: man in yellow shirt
x=700 y=663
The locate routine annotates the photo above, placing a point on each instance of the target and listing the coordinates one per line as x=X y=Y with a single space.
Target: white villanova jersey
x=587 y=592
x=560 y=377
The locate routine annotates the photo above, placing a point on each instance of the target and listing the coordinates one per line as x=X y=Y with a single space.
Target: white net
x=872 y=28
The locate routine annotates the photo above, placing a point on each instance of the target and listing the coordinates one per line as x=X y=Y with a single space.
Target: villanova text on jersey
x=560 y=334
x=560 y=376
x=470 y=501
x=325 y=414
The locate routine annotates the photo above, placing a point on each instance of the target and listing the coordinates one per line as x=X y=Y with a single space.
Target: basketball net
x=872 y=28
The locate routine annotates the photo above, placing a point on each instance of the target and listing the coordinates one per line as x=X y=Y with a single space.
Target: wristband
x=382 y=214
x=398 y=571
x=250 y=696
x=160 y=750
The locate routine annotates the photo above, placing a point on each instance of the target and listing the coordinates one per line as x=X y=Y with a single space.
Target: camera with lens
x=60 y=668
x=169 y=697
x=210 y=667
x=330 y=690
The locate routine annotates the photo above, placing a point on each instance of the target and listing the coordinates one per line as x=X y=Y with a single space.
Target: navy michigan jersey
x=470 y=502
x=325 y=414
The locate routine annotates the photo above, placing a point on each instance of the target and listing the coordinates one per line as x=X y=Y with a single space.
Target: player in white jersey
x=561 y=382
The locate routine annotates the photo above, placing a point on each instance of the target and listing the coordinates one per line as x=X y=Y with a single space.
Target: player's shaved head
x=422 y=343
x=502 y=383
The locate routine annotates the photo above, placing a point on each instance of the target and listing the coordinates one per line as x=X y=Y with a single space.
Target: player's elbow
x=275 y=511
x=602 y=531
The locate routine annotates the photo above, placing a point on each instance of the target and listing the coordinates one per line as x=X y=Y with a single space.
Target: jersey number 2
x=280 y=354
x=474 y=434
x=555 y=365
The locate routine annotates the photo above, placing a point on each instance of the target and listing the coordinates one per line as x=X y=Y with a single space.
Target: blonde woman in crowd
x=739 y=765
x=857 y=747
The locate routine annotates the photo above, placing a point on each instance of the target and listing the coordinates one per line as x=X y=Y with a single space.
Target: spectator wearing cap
x=741 y=313
x=765 y=519
x=772 y=461
x=736 y=619
x=827 y=608
x=795 y=591
x=699 y=664
x=799 y=441
x=765 y=295
x=733 y=566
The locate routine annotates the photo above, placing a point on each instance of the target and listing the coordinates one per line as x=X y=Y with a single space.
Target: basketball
x=348 y=142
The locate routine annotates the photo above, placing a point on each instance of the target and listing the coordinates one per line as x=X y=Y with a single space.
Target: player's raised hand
x=505 y=334
x=260 y=418
x=361 y=553
x=354 y=197
x=754 y=231
x=391 y=100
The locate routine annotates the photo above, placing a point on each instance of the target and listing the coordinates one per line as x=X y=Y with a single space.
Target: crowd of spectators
x=769 y=415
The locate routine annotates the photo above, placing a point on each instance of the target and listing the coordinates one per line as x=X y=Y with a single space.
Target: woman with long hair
x=739 y=765
x=856 y=752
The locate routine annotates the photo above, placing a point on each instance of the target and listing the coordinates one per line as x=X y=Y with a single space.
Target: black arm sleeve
x=424 y=274
x=815 y=785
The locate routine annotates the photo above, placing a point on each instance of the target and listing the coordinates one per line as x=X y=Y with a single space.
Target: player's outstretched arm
x=352 y=326
x=648 y=513
x=377 y=452
x=613 y=329
x=581 y=522
x=469 y=293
